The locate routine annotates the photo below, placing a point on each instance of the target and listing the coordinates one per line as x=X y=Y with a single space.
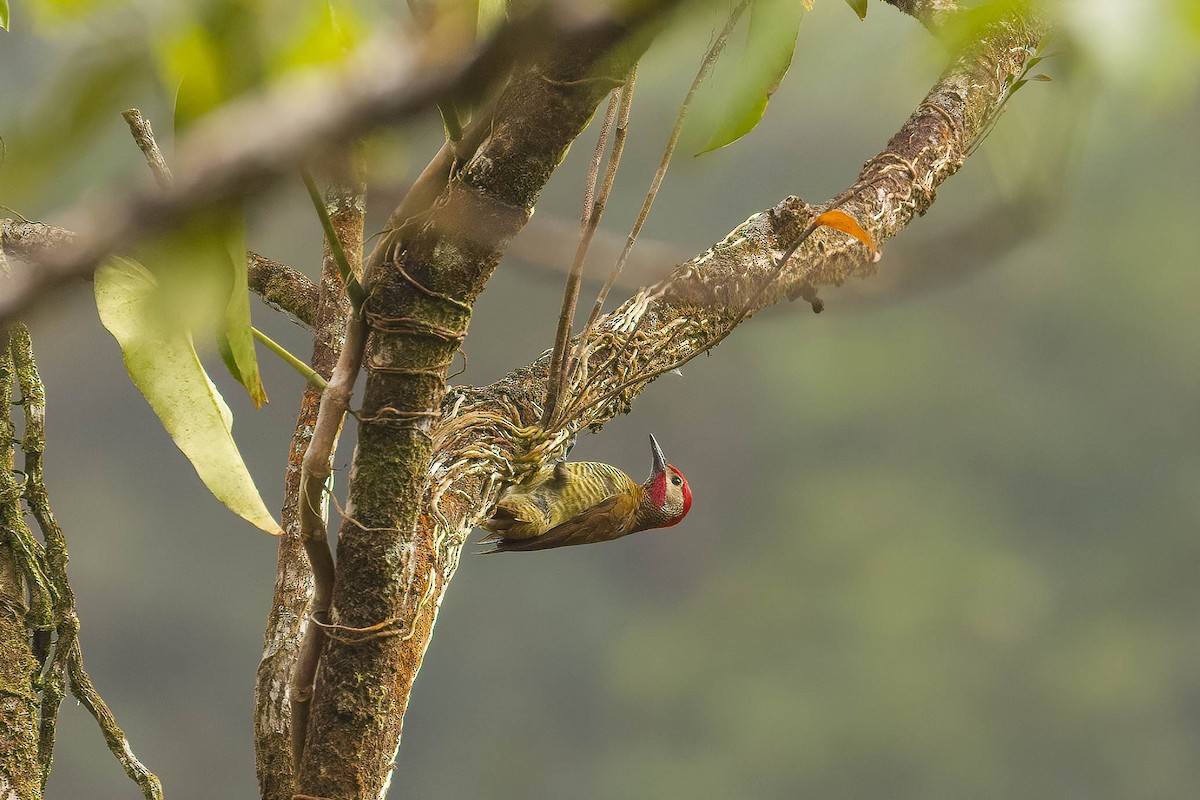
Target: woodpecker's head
x=667 y=491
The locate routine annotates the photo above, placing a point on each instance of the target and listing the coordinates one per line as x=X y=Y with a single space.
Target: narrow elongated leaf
x=769 y=46
x=4 y=14
x=162 y=362
x=859 y=6
x=235 y=338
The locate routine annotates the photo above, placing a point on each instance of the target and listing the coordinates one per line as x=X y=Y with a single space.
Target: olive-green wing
x=581 y=529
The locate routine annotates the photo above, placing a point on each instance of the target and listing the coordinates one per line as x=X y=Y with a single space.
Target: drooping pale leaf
x=769 y=46
x=235 y=338
x=859 y=6
x=216 y=241
x=840 y=220
x=162 y=362
x=201 y=271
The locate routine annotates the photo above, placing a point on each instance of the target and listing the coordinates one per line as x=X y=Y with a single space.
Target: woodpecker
x=585 y=502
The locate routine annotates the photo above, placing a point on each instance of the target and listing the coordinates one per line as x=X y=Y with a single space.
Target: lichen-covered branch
x=54 y=667
x=933 y=14
x=275 y=719
x=19 y=766
x=283 y=288
x=491 y=434
x=29 y=241
x=143 y=136
x=280 y=286
x=422 y=281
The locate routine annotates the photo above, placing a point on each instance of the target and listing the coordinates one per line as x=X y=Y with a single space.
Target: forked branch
x=490 y=435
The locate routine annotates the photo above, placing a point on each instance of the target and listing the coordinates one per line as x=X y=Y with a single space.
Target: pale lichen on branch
x=704 y=298
x=52 y=606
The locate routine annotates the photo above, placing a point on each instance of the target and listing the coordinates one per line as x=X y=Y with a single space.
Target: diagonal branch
x=280 y=286
x=489 y=435
x=933 y=14
x=252 y=142
x=702 y=300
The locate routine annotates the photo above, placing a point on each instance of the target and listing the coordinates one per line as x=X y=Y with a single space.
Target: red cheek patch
x=658 y=490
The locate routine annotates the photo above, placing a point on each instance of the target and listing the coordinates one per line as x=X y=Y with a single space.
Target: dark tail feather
x=502 y=545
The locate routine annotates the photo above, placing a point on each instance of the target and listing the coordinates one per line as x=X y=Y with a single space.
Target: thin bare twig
x=706 y=66
x=588 y=221
x=143 y=134
x=619 y=137
x=315 y=472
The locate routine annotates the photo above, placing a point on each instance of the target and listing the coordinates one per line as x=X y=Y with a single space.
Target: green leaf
x=490 y=15
x=772 y=38
x=162 y=362
x=235 y=339
x=4 y=14
x=201 y=271
x=859 y=6
x=315 y=32
x=210 y=56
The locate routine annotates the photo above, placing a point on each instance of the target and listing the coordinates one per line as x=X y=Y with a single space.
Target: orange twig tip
x=840 y=220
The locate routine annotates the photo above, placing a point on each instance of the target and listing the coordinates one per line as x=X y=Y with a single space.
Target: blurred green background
x=946 y=535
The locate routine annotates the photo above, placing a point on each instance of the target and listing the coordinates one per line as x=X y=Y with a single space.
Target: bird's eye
x=676 y=480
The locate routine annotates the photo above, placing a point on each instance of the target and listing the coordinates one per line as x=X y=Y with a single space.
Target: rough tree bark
x=430 y=463
x=422 y=478
x=20 y=777
x=325 y=308
x=422 y=282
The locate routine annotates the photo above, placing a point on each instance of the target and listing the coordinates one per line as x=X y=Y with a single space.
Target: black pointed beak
x=660 y=461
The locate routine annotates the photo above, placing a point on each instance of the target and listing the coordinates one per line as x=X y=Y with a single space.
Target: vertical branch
x=394 y=559
x=19 y=768
x=275 y=722
x=143 y=136
x=46 y=569
x=316 y=468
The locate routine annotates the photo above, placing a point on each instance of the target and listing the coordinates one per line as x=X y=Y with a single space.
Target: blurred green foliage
x=756 y=71
x=945 y=541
